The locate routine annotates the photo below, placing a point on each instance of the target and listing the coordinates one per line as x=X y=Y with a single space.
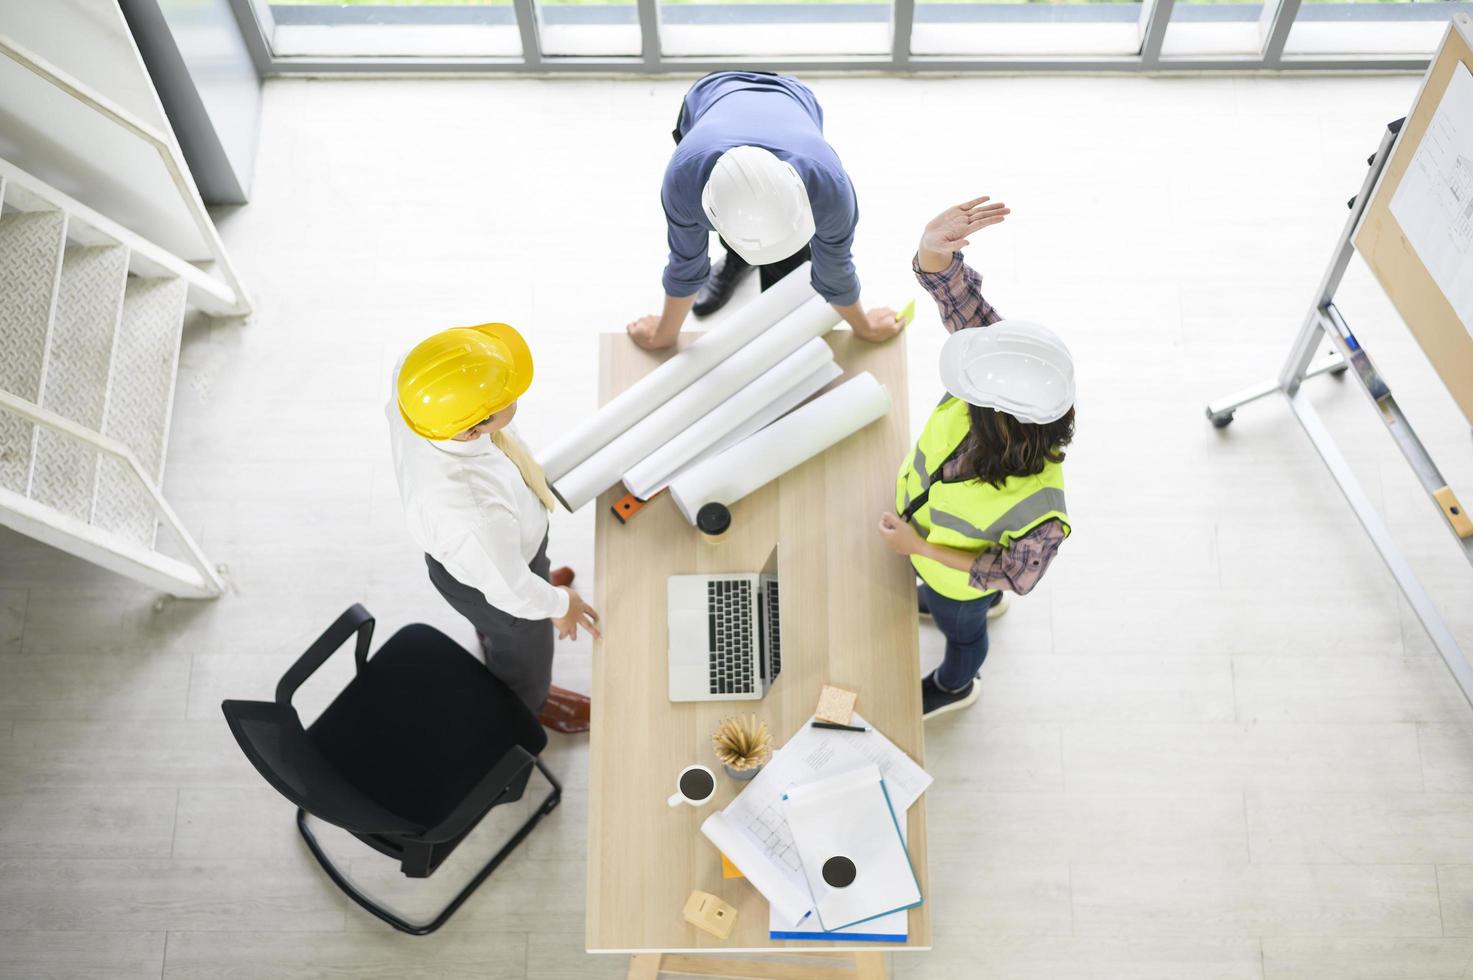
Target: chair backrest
x=272 y=737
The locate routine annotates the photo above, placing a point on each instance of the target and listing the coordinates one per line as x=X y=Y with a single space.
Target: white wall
x=73 y=148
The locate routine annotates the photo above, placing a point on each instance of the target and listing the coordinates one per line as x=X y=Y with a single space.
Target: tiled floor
x=1215 y=743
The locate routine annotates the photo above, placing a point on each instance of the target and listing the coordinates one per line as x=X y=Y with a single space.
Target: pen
x=841 y=728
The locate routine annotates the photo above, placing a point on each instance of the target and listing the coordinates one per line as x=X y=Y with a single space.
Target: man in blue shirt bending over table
x=751 y=163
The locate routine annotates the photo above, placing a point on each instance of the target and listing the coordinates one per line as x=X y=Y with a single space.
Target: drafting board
x=1409 y=277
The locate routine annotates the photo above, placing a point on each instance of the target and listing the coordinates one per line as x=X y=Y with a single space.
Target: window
x=395 y=28
x=1020 y=27
x=1214 y=27
x=848 y=35
x=1331 y=27
x=760 y=27
x=588 y=27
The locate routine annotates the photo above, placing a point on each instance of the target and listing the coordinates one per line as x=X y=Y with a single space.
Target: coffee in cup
x=694 y=786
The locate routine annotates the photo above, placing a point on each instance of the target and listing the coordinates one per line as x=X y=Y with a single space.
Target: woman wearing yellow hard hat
x=477 y=503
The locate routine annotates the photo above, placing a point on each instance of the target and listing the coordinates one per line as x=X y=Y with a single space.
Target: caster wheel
x=1221 y=421
x=1338 y=371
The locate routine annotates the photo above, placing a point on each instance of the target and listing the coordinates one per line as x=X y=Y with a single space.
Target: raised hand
x=950 y=230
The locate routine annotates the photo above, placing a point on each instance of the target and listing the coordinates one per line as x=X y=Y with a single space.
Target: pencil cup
x=694 y=787
x=743 y=744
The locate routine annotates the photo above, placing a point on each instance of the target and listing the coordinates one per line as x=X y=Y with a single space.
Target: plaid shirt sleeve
x=1020 y=565
x=958 y=293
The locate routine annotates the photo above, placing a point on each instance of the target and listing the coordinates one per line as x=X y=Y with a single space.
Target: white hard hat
x=1014 y=366
x=758 y=204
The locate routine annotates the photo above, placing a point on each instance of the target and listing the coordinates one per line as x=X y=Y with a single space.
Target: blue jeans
x=964 y=624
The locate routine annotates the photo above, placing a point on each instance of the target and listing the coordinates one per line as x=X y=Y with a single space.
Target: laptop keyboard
x=732 y=642
x=774 y=634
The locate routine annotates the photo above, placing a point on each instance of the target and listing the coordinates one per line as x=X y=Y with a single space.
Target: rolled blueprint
x=647 y=476
x=808 y=387
x=606 y=466
x=667 y=380
x=791 y=440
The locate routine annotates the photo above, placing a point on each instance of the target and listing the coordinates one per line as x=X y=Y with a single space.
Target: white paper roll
x=805 y=389
x=646 y=477
x=791 y=440
x=606 y=466
x=665 y=381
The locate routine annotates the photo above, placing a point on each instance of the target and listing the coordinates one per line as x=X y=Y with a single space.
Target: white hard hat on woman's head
x=758 y=204
x=1013 y=366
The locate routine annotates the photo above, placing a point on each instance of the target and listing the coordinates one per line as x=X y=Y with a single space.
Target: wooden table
x=849 y=619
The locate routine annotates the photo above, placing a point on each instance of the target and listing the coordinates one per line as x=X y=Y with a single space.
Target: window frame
x=1274 y=24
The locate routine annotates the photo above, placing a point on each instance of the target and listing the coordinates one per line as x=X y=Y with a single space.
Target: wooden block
x=709 y=913
x=835 y=705
x=1457 y=515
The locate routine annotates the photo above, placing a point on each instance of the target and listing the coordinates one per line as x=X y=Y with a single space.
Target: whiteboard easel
x=1433 y=321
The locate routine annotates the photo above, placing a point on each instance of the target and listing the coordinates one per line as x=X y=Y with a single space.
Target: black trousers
x=518 y=651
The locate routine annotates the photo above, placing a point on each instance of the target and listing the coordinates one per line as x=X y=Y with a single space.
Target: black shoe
x=721 y=283
x=938 y=701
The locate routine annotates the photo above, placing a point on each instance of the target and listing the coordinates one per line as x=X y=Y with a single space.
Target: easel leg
x=645 y=966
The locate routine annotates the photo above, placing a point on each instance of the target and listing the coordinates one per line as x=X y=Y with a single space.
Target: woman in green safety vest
x=979 y=502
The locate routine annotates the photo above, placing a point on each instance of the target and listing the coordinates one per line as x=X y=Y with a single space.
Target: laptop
x=725 y=635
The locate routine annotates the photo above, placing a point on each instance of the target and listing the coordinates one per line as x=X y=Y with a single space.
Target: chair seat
x=422 y=724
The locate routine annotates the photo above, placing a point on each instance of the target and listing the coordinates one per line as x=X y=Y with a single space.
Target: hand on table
x=883 y=324
x=579 y=613
x=646 y=333
x=899 y=535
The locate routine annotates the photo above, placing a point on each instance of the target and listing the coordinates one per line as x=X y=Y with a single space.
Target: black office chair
x=408 y=758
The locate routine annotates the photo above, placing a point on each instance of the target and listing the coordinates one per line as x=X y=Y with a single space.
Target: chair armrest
x=354 y=619
x=481 y=799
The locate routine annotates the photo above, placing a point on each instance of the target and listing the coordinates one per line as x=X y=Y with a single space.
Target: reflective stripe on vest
x=1025 y=512
x=970 y=515
x=922 y=470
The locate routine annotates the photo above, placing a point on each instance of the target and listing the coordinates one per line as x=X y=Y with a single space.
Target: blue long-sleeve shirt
x=779 y=114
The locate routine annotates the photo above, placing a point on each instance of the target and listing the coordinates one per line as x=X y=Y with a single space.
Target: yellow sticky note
x=908 y=314
x=729 y=870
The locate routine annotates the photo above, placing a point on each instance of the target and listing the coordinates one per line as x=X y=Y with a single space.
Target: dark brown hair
x=999 y=446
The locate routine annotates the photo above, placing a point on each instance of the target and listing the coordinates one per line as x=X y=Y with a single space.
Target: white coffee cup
x=694 y=786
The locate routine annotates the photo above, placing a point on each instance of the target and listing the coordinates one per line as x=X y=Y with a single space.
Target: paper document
x=848 y=838
x=891 y=928
x=752 y=831
x=1433 y=204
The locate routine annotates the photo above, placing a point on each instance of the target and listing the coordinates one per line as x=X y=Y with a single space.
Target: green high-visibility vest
x=969 y=514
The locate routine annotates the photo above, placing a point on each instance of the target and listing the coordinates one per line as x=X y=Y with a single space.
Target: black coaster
x=839 y=872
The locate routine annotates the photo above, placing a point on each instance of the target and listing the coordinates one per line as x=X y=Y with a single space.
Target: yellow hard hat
x=462 y=376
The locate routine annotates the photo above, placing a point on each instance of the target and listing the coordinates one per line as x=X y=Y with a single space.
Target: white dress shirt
x=468 y=507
